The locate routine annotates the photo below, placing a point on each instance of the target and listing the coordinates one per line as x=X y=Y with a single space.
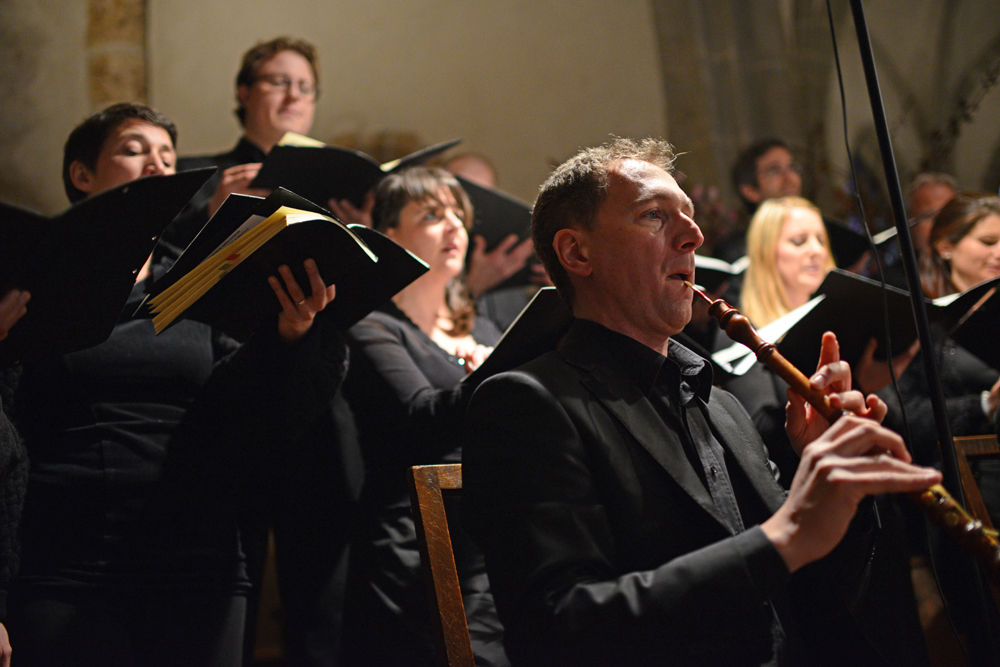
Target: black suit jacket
x=603 y=546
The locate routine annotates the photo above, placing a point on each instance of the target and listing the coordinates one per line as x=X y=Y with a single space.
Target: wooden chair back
x=428 y=484
x=973 y=446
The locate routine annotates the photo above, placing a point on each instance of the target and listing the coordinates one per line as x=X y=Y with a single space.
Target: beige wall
x=521 y=82
x=43 y=95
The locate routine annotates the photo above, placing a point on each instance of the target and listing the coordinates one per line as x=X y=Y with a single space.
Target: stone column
x=116 y=52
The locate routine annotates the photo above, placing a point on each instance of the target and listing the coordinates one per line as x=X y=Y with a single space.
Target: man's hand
x=4 y=647
x=854 y=458
x=349 y=214
x=993 y=399
x=871 y=375
x=298 y=311
x=803 y=422
x=13 y=306
x=489 y=269
x=236 y=179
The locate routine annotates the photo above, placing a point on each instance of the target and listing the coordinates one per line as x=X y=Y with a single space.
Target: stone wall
x=525 y=83
x=116 y=52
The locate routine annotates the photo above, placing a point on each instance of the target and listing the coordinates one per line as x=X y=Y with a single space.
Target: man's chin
x=293 y=124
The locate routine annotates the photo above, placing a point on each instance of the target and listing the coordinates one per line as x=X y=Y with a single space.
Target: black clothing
x=604 y=546
x=502 y=305
x=315 y=472
x=762 y=394
x=137 y=447
x=305 y=492
x=963 y=379
x=408 y=399
x=13 y=484
x=193 y=217
x=672 y=384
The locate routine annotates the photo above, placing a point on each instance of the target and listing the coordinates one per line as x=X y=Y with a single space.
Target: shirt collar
x=682 y=372
x=248 y=150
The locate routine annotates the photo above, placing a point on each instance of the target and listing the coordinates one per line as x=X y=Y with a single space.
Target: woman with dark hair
x=130 y=551
x=964 y=245
x=408 y=359
x=964 y=250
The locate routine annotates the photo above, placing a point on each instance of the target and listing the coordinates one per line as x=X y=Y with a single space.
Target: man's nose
x=155 y=165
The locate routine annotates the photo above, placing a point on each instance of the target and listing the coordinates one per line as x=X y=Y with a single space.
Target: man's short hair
x=573 y=193
x=929 y=178
x=745 y=168
x=87 y=139
x=264 y=51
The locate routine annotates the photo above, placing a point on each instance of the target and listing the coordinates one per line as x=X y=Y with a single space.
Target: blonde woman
x=789 y=257
x=789 y=253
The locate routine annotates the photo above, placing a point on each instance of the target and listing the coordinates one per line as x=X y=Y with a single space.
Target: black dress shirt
x=678 y=385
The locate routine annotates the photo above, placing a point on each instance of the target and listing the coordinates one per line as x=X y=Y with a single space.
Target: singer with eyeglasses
x=276 y=91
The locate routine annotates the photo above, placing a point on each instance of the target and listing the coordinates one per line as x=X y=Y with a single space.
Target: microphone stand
x=973 y=575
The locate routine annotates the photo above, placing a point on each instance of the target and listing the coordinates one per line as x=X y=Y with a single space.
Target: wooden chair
x=428 y=485
x=973 y=446
x=967 y=447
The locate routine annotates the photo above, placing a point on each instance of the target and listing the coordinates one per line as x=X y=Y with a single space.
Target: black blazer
x=602 y=544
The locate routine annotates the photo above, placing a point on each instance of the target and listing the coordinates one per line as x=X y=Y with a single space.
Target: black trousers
x=65 y=625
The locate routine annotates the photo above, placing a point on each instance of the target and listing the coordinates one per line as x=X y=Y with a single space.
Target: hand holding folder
x=222 y=277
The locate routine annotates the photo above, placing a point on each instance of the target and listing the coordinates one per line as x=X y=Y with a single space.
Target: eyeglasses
x=284 y=84
x=780 y=170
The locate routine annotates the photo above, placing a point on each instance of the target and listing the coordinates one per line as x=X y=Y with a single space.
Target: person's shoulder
x=200 y=161
x=225 y=159
x=189 y=162
x=485 y=331
x=548 y=375
x=383 y=319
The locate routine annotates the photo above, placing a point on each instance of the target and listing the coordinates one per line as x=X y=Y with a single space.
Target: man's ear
x=750 y=193
x=571 y=246
x=242 y=94
x=81 y=177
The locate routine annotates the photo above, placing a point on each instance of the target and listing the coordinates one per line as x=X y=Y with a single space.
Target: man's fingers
x=504 y=246
x=291 y=285
x=829 y=350
x=479 y=245
x=873 y=475
x=834 y=374
x=857 y=436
